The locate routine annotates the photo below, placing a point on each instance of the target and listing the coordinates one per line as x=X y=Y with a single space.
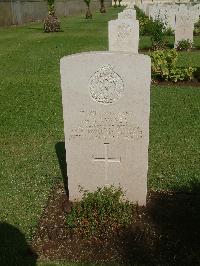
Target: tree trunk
x=102 y=9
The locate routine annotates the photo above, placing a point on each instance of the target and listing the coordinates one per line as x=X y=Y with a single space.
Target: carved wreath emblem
x=106 y=86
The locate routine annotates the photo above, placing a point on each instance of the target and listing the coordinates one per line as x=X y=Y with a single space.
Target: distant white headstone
x=123 y=35
x=127 y=14
x=106 y=106
x=130 y=4
x=183 y=29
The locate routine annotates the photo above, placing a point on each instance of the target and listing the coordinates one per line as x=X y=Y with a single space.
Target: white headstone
x=106 y=106
x=130 y=4
x=183 y=29
x=123 y=35
x=127 y=14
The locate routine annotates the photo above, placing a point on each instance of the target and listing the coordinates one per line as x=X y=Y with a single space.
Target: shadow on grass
x=14 y=250
x=167 y=232
x=61 y=154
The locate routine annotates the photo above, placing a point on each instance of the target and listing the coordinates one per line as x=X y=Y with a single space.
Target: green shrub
x=157 y=35
x=155 y=29
x=164 y=66
x=144 y=22
x=168 y=31
x=100 y=212
x=184 y=45
x=197 y=28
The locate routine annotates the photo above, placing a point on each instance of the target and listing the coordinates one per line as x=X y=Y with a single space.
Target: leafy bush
x=197 y=28
x=106 y=208
x=168 y=31
x=157 y=35
x=184 y=45
x=155 y=29
x=164 y=66
x=144 y=22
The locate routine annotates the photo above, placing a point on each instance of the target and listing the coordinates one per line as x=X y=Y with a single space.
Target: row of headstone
x=180 y=18
x=106 y=107
x=123 y=33
x=167 y=13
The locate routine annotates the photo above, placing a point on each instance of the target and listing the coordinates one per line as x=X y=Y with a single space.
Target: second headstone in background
x=123 y=35
x=127 y=14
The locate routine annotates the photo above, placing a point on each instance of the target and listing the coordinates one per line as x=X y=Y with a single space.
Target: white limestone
x=123 y=35
x=106 y=106
x=127 y=14
x=184 y=29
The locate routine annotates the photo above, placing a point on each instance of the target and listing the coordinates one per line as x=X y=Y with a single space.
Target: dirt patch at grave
x=165 y=232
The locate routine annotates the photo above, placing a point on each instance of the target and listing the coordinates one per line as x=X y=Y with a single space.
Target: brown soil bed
x=165 y=232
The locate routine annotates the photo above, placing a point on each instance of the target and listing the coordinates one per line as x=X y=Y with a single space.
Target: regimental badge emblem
x=106 y=86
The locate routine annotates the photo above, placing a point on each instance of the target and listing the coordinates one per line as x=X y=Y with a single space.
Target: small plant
x=164 y=67
x=184 y=45
x=157 y=35
x=144 y=21
x=100 y=212
x=51 y=23
x=88 y=14
x=168 y=31
x=197 y=28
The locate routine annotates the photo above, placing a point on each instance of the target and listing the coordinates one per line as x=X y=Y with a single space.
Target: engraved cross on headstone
x=106 y=160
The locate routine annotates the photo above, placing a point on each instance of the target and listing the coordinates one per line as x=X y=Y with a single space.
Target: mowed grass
x=31 y=111
x=31 y=117
x=174 y=151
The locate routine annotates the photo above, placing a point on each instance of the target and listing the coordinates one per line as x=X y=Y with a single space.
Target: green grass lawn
x=31 y=117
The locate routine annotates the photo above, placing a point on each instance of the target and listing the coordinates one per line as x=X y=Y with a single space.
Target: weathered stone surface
x=123 y=35
x=106 y=105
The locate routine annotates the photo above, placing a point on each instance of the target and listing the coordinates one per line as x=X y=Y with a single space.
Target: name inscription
x=106 y=125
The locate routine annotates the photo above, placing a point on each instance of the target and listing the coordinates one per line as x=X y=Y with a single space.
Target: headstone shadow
x=61 y=155
x=14 y=249
x=169 y=232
